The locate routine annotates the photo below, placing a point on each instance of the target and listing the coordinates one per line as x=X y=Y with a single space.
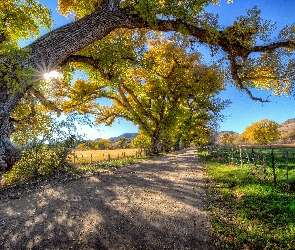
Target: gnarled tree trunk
x=9 y=153
x=49 y=52
x=156 y=142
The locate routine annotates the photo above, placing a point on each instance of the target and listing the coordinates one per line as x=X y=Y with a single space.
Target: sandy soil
x=155 y=204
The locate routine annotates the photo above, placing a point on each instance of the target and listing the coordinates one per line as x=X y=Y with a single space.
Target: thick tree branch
x=130 y=109
x=229 y=46
x=110 y=5
x=235 y=76
x=60 y=45
x=273 y=46
x=45 y=101
x=138 y=104
x=88 y=60
x=125 y=100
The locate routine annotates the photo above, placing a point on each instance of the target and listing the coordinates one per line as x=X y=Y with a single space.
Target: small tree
x=103 y=144
x=142 y=141
x=123 y=142
x=229 y=139
x=82 y=146
x=262 y=132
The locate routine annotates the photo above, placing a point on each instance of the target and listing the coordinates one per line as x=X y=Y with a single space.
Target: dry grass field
x=103 y=155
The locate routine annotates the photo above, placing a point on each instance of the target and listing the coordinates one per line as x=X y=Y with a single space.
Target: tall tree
x=167 y=91
x=250 y=64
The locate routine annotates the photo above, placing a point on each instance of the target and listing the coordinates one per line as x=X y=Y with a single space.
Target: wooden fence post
x=91 y=159
x=224 y=155
x=263 y=167
x=232 y=156
x=287 y=169
x=273 y=167
x=228 y=155
x=248 y=158
x=253 y=157
x=241 y=157
x=109 y=157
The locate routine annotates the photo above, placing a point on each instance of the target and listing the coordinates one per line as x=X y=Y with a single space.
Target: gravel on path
x=155 y=204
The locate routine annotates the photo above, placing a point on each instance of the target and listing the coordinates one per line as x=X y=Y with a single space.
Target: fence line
x=89 y=160
x=258 y=161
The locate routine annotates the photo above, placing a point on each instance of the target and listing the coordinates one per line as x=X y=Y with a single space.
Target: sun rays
x=51 y=75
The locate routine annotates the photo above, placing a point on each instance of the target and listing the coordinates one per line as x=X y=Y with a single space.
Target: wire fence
x=106 y=157
x=275 y=163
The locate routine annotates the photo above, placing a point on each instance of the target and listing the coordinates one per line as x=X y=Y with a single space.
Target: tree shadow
x=157 y=204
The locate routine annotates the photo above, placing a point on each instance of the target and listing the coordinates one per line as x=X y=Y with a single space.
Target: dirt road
x=154 y=204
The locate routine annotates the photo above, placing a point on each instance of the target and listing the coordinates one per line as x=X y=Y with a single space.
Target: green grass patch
x=248 y=213
x=259 y=162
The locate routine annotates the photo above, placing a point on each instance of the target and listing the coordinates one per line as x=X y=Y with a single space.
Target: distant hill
x=287 y=126
x=130 y=136
x=231 y=132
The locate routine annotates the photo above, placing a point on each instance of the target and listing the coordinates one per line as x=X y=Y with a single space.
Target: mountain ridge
x=129 y=136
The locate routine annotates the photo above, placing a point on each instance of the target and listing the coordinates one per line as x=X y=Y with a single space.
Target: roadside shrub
x=46 y=155
x=40 y=160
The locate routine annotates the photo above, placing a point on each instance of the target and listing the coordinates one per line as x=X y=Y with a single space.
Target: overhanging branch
x=44 y=101
x=273 y=46
x=88 y=60
x=235 y=76
x=138 y=104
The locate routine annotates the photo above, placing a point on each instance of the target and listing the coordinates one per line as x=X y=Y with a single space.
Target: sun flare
x=51 y=75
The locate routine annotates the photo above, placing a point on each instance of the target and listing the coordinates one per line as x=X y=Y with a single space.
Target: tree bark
x=9 y=153
x=177 y=143
x=156 y=147
x=156 y=141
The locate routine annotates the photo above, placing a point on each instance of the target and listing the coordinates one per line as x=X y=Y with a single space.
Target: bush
x=45 y=156
x=40 y=160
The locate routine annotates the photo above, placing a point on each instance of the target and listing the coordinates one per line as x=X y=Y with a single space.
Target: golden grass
x=102 y=155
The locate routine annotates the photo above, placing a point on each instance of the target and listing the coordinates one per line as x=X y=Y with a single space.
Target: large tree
x=250 y=64
x=169 y=93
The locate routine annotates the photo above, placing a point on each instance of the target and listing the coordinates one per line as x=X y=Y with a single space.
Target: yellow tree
x=253 y=58
x=262 y=132
x=168 y=92
x=142 y=141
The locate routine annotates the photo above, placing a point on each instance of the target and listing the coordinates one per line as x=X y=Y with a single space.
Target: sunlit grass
x=103 y=155
x=249 y=213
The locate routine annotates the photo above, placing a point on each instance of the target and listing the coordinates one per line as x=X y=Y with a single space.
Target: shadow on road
x=155 y=204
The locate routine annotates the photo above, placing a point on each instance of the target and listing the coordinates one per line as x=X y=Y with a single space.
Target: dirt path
x=155 y=204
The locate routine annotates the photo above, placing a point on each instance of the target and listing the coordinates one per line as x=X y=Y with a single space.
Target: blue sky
x=243 y=111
